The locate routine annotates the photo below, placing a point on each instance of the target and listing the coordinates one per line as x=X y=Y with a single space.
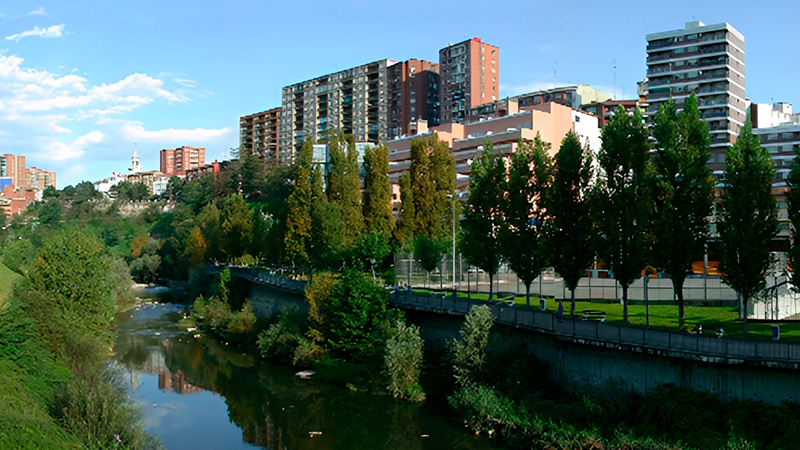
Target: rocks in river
x=305 y=375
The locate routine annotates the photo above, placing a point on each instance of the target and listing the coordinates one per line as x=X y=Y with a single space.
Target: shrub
x=306 y=352
x=468 y=354
x=217 y=314
x=18 y=255
x=242 y=322
x=403 y=362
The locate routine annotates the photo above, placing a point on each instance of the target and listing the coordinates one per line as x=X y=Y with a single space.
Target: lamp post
x=453 y=203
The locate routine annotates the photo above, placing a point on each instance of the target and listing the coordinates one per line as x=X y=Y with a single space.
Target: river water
x=196 y=393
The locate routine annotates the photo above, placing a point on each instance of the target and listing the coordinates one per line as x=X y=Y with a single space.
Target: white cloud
x=510 y=90
x=70 y=151
x=54 y=31
x=136 y=132
x=38 y=12
x=186 y=83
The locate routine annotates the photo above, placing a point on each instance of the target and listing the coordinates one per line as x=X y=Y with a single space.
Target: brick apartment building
x=470 y=76
x=178 y=161
x=413 y=95
x=258 y=134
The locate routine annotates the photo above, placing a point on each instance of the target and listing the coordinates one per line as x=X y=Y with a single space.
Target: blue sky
x=81 y=81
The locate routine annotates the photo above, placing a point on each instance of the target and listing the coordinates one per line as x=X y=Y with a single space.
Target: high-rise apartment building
x=40 y=179
x=258 y=134
x=709 y=61
x=413 y=95
x=470 y=76
x=178 y=161
x=13 y=166
x=354 y=101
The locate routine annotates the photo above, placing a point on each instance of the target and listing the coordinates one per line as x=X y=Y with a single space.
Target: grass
x=663 y=317
x=7 y=279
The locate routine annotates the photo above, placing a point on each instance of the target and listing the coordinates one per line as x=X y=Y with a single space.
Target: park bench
x=590 y=314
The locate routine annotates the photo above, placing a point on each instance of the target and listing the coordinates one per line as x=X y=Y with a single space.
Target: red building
x=178 y=161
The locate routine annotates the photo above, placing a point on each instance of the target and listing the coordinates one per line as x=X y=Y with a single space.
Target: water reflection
x=198 y=393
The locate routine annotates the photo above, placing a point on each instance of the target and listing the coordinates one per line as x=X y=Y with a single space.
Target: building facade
x=574 y=96
x=604 y=110
x=258 y=134
x=413 y=95
x=40 y=179
x=177 y=161
x=354 y=101
x=13 y=166
x=470 y=76
x=709 y=61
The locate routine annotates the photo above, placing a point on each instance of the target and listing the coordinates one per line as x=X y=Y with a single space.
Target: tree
x=427 y=252
x=403 y=362
x=237 y=227
x=210 y=223
x=568 y=202
x=356 y=316
x=623 y=201
x=50 y=212
x=482 y=217
x=18 y=255
x=522 y=237
x=344 y=186
x=404 y=231
x=196 y=248
x=793 y=196
x=174 y=188
x=298 y=217
x=377 y=198
x=432 y=178
x=468 y=354
x=747 y=219
x=683 y=191
x=327 y=245
x=372 y=248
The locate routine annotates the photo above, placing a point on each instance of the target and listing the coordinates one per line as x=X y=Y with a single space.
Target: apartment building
x=413 y=95
x=354 y=101
x=13 y=166
x=470 y=76
x=40 y=179
x=177 y=161
x=552 y=121
x=258 y=134
x=605 y=110
x=709 y=61
x=574 y=96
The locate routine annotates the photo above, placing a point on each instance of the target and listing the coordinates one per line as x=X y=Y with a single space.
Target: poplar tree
x=748 y=218
x=793 y=196
x=482 y=218
x=344 y=186
x=623 y=201
x=377 y=198
x=326 y=226
x=423 y=188
x=297 y=237
x=683 y=191
x=404 y=231
x=522 y=237
x=237 y=227
x=571 y=225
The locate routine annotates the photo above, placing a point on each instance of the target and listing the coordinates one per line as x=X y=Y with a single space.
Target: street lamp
x=453 y=202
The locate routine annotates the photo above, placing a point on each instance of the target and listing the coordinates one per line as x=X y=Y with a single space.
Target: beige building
x=40 y=179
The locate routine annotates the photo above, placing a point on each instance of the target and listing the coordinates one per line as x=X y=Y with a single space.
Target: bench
x=591 y=314
x=508 y=301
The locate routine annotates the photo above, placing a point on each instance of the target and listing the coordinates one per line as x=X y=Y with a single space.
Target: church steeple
x=134 y=168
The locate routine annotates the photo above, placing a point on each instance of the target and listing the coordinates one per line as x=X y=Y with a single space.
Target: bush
x=18 y=255
x=241 y=323
x=403 y=362
x=306 y=352
x=281 y=337
x=468 y=354
x=217 y=314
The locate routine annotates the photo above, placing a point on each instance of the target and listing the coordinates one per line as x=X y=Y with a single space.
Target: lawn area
x=664 y=317
x=7 y=279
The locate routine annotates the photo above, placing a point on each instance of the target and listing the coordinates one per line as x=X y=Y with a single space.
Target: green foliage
x=316 y=294
x=793 y=196
x=371 y=250
x=18 y=255
x=327 y=242
x=197 y=193
x=747 y=217
x=297 y=237
x=242 y=322
x=71 y=293
x=432 y=178
x=128 y=191
x=377 y=201
x=623 y=201
x=481 y=407
x=405 y=228
x=224 y=288
x=568 y=201
x=356 y=318
x=282 y=337
x=468 y=354
x=482 y=220
x=210 y=223
x=344 y=186
x=683 y=191
x=403 y=362
x=237 y=227
x=119 y=277
x=50 y=212
x=522 y=237
x=144 y=269
x=427 y=252
x=196 y=248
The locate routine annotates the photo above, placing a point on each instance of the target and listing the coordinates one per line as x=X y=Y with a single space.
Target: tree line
x=647 y=200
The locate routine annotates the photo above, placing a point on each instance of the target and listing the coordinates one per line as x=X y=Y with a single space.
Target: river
x=196 y=393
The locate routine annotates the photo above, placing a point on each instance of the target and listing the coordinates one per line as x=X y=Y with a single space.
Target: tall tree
x=423 y=188
x=793 y=196
x=522 y=236
x=443 y=168
x=377 y=199
x=237 y=227
x=210 y=223
x=482 y=217
x=404 y=231
x=344 y=186
x=196 y=248
x=748 y=218
x=683 y=191
x=297 y=237
x=326 y=226
x=571 y=224
x=623 y=201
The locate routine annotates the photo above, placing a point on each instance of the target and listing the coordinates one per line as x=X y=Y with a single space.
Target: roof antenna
x=615 y=79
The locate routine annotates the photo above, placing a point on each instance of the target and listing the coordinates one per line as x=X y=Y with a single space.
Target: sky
x=81 y=81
